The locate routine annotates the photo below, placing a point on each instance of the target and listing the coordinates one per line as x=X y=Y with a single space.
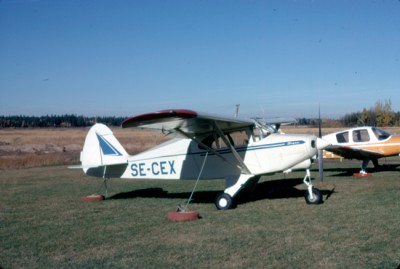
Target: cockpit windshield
x=262 y=130
x=381 y=134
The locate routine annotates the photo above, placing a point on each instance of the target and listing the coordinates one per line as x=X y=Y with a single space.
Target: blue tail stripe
x=107 y=148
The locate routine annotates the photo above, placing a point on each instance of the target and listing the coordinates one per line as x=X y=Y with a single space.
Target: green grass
x=43 y=224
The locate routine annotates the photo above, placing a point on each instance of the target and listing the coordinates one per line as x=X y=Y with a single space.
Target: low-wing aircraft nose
x=322 y=143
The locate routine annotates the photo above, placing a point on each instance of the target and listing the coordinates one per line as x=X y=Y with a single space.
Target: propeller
x=320 y=151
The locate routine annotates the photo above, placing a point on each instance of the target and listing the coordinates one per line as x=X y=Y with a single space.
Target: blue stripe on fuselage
x=228 y=151
x=259 y=147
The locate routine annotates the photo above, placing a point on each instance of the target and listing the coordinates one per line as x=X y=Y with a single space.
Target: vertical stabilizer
x=101 y=148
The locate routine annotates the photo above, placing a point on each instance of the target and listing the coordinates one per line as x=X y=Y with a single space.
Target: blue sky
x=274 y=58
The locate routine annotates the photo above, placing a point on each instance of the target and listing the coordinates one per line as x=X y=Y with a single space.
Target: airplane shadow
x=386 y=167
x=276 y=189
x=346 y=171
x=198 y=197
x=339 y=172
x=279 y=189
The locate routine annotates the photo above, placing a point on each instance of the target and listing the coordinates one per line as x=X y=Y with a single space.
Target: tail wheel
x=316 y=199
x=224 y=201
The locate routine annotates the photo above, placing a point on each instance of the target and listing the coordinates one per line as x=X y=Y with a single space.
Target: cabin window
x=216 y=142
x=342 y=137
x=239 y=138
x=208 y=141
x=381 y=134
x=361 y=135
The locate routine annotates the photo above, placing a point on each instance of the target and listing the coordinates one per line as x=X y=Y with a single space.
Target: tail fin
x=101 y=149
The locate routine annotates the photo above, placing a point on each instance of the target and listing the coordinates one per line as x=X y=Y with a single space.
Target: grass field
x=43 y=223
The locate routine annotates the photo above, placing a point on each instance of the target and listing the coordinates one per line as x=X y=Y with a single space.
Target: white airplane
x=362 y=143
x=204 y=147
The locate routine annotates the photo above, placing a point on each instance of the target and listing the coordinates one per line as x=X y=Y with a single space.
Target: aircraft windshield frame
x=380 y=134
x=261 y=130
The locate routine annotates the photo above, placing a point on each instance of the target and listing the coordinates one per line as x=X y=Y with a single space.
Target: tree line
x=56 y=121
x=381 y=114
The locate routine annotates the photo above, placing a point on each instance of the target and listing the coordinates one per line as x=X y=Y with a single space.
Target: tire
x=224 y=201
x=183 y=216
x=317 y=197
x=92 y=198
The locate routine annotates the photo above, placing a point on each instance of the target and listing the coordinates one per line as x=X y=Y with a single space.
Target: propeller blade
x=319 y=122
x=320 y=151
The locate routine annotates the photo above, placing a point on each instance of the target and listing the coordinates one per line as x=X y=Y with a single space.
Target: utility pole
x=237 y=110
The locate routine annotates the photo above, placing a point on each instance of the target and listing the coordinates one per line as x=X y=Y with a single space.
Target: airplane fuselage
x=205 y=147
x=183 y=159
x=365 y=140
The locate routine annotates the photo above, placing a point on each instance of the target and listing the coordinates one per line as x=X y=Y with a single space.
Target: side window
x=239 y=138
x=216 y=142
x=342 y=137
x=360 y=136
x=208 y=141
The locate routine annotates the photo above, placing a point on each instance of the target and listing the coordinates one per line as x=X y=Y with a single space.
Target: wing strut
x=241 y=164
x=243 y=167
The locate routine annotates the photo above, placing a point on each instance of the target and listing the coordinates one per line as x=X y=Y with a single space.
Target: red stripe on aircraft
x=159 y=116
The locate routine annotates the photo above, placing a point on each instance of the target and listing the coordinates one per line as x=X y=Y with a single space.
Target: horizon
x=275 y=58
x=224 y=115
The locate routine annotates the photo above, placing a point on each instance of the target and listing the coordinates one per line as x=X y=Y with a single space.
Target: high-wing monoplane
x=362 y=143
x=204 y=146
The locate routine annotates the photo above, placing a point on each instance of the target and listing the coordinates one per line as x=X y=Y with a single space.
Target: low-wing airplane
x=203 y=147
x=362 y=143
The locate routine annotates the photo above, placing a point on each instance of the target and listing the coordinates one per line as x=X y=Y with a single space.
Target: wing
x=193 y=125
x=273 y=124
x=187 y=121
x=280 y=121
x=353 y=153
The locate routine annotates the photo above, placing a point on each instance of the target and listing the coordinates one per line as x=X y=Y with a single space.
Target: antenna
x=237 y=110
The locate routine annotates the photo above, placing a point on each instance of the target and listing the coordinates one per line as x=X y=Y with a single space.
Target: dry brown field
x=23 y=148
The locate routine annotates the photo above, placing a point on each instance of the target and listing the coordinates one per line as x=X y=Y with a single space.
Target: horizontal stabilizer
x=75 y=167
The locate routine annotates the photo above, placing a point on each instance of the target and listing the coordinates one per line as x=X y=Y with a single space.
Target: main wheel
x=316 y=199
x=223 y=201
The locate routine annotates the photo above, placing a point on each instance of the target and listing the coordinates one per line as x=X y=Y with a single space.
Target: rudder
x=102 y=149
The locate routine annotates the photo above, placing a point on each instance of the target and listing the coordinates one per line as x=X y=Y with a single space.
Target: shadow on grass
x=340 y=172
x=283 y=189
x=198 y=197
x=276 y=189
x=348 y=172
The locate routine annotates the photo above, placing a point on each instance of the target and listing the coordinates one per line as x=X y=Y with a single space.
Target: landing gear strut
x=313 y=195
x=233 y=185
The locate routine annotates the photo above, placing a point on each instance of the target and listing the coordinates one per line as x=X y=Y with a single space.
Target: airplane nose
x=322 y=143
